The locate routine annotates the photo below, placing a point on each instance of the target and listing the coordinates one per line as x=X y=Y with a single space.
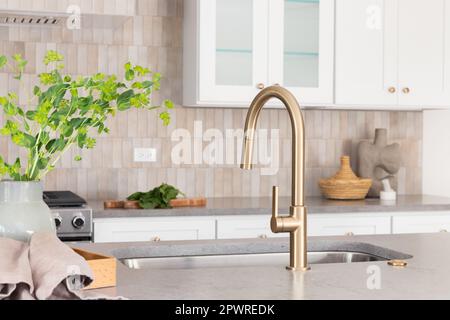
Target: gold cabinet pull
x=349 y=234
x=443 y=230
x=155 y=239
x=406 y=90
x=260 y=86
x=392 y=90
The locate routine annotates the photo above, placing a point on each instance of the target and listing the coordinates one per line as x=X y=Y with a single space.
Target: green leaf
x=42 y=163
x=55 y=145
x=168 y=104
x=3 y=167
x=165 y=117
x=158 y=197
x=135 y=196
x=47 y=78
x=10 y=109
x=141 y=71
x=24 y=140
x=52 y=56
x=129 y=75
x=76 y=122
x=81 y=140
x=78 y=158
x=123 y=101
x=67 y=130
x=3 y=61
x=147 y=84
x=31 y=115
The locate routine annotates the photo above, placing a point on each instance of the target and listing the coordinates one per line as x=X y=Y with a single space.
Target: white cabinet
x=393 y=53
x=234 y=48
x=348 y=224
x=421 y=223
x=318 y=225
x=365 y=52
x=153 y=229
x=258 y=226
x=245 y=227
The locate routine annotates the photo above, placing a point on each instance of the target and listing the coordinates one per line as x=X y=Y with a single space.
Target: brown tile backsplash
x=154 y=38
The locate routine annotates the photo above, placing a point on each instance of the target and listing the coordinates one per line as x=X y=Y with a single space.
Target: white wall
x=436 y=152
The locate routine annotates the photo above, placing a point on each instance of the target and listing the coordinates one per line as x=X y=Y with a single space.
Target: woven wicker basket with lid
x=345 y=185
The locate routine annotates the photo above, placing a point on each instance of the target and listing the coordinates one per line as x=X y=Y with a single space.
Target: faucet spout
x=295 y=223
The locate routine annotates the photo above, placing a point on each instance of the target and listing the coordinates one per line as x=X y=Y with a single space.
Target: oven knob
x=78 y=221
x=58 y=221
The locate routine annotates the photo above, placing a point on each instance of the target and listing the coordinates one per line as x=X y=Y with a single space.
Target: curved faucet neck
x=298 y=136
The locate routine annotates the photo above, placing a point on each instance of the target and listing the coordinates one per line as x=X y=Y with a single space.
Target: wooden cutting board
x=176 y=203
x=188 y=202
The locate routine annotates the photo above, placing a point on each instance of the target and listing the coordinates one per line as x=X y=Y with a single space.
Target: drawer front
x=421 y=224
x=246 y=227
x=348 y=225
x=148 y=230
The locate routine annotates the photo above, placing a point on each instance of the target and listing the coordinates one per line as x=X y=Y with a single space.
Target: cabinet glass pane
x=234 y=44
x=301 y=43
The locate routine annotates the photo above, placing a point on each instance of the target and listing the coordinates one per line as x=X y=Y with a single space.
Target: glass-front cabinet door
x=233 y=50
x=301 y=48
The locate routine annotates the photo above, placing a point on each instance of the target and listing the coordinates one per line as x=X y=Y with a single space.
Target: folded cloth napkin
x=45 y=268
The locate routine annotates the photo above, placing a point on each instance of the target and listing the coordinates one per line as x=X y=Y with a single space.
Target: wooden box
x=104 y=269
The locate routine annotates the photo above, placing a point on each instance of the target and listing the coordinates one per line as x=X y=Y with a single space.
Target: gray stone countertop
x=425 y=277
x=255 y=206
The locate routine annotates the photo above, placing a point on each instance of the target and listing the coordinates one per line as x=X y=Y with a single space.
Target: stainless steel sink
x=244 y=260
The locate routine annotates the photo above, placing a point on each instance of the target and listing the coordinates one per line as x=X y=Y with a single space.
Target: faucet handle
x=275 y=202
x=276 y=223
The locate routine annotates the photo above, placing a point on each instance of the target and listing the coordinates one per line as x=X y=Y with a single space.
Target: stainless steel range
x=73 y=218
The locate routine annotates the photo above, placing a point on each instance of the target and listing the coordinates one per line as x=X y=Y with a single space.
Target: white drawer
x=153 y=229
x=424 y=223
x=245 y=227
x=348 y=224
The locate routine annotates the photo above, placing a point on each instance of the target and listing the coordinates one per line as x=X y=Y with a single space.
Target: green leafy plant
x=158 y=198
x=68 y=111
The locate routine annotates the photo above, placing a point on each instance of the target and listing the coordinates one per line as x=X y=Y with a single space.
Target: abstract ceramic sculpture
x=379 y=161
x=345 y=185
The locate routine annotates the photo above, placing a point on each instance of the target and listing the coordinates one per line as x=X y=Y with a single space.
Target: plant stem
x=36 y=156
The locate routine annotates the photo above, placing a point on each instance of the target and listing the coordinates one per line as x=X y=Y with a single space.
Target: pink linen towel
x=46 y=268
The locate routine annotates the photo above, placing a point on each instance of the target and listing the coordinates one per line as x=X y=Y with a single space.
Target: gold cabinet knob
x=260 y=86
x=392 y=90
x=406 y=90
x=349 y=234
x=155 y=239
x=262 y=236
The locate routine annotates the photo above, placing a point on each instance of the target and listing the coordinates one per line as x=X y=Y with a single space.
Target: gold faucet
x=295 y=223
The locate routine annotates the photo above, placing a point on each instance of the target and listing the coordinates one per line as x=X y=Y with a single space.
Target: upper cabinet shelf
x=233 y=48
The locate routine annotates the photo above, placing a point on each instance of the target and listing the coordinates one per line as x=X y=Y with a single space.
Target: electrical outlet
x=144 y=155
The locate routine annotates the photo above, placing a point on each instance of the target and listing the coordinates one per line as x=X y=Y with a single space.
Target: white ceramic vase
x=23 y=211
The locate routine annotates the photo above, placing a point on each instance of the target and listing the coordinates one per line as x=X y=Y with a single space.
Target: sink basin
x=241 y=260
x=247 y=253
